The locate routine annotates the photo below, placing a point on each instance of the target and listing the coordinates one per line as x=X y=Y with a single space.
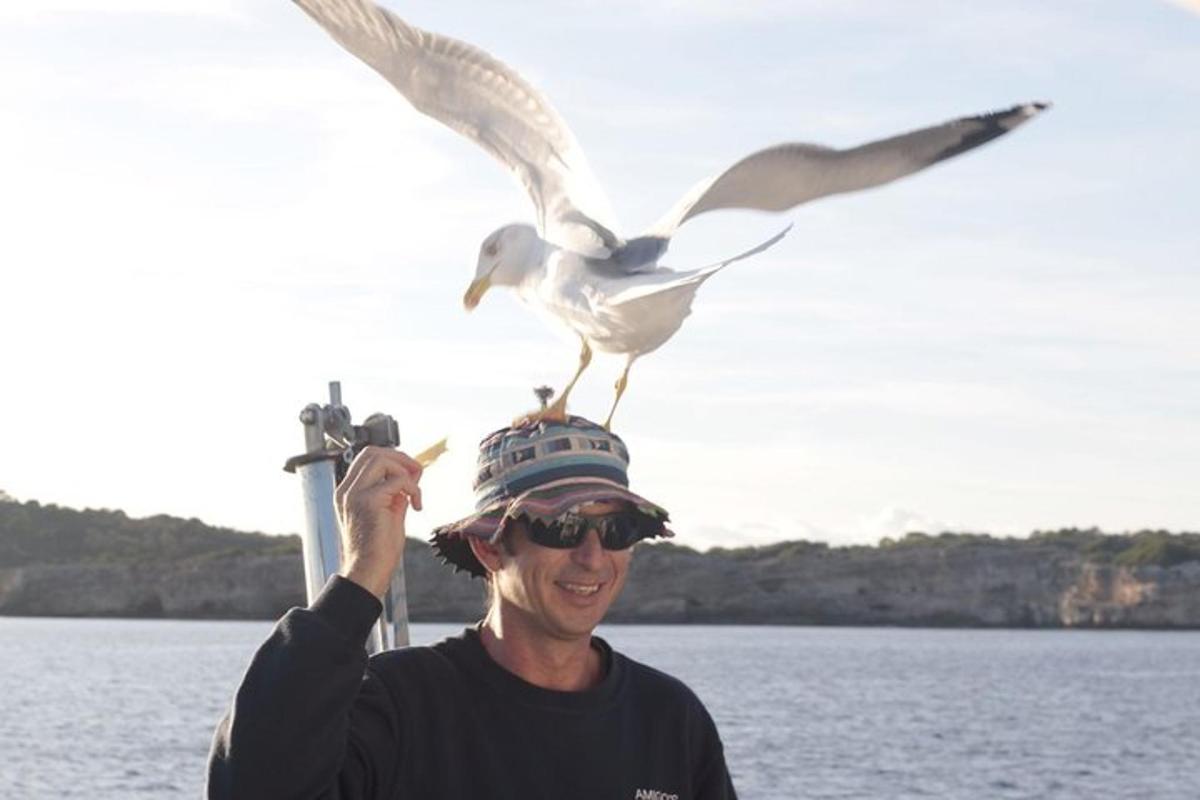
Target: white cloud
x=749 y=533
x=895 y=522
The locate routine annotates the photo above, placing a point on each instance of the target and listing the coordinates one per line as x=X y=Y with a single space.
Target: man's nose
x=589 y=552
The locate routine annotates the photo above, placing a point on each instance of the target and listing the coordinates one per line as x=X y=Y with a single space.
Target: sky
x=209 y=210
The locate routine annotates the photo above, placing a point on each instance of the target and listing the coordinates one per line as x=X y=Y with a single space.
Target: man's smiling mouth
x=581 y=589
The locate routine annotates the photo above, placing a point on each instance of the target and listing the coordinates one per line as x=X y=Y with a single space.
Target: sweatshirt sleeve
x=310 y=720
x=712 y=781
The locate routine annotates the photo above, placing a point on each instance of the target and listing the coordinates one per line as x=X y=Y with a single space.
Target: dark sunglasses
x=618 y=530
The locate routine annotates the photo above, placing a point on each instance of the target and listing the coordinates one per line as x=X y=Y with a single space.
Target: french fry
x=430 y=454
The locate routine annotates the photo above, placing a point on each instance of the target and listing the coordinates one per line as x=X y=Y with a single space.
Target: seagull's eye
x=490 y=250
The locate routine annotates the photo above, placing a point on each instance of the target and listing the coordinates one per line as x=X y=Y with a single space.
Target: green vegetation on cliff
x=31 y=533
x=1143 y=548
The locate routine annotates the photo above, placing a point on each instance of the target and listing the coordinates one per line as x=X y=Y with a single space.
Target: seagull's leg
x=622 y=382
x=558 y=409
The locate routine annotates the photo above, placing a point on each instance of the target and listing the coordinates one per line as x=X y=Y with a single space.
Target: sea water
x=109 y=709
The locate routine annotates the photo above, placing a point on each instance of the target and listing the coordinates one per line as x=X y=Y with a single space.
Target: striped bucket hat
x=539 y=471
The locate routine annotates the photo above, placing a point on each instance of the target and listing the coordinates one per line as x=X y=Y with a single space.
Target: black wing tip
x=982 y=128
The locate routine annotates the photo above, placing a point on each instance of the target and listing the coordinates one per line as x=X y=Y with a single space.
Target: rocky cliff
x=159 y=568
x=996 y=583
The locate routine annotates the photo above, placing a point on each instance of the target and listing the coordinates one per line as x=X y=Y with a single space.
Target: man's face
x=563 y=593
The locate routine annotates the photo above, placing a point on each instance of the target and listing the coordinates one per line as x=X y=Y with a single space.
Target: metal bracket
x=329 y=433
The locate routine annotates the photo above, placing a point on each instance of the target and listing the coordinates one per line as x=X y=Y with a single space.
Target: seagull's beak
x=475 y=292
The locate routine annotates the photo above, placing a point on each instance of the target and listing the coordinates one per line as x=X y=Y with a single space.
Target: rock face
x=231 y=587
x=1151 y=596
x=988 y=582
x=227 y=588
x=977 y=585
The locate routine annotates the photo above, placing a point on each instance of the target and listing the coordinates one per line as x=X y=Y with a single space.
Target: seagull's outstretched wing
x=488 y=102
x=787 y=175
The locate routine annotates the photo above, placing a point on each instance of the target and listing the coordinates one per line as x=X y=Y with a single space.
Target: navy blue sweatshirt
x=314 y=718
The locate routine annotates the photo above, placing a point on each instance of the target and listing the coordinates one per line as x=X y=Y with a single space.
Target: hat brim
x=544 y=503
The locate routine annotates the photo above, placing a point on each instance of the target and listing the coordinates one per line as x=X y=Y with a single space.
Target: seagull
x=572 y=266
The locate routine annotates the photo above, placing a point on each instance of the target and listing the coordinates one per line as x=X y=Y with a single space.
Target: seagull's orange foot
x=555 y=412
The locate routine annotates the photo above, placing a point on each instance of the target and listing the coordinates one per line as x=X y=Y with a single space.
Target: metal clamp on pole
x=331 y=441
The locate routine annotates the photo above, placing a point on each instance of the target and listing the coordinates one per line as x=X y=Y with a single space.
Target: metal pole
x=393 y=625
x=321 y=539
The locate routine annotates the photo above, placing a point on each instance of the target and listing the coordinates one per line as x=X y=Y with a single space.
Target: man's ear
x=487 y=553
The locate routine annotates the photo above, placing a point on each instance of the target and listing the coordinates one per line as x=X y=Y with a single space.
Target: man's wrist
x=374 y=581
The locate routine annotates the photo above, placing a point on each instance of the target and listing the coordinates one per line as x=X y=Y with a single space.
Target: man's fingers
x=374 y=462
x=398 y=485
x=380 y=495
x=375 y=465
x=375 y=458
x=410 y=464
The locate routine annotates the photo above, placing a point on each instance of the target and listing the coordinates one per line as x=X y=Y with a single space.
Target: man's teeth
x=580 y=588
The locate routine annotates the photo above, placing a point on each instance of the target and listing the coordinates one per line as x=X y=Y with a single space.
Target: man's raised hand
x=372 y=503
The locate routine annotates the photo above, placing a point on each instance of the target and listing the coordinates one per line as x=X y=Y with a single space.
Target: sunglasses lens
x=620 y=531
x=617 y=531
x=561 y=534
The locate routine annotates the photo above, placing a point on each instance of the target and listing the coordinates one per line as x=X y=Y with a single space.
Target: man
x=527 y=704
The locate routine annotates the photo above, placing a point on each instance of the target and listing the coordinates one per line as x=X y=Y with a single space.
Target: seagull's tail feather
x=691 y=277
x=774 y=240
